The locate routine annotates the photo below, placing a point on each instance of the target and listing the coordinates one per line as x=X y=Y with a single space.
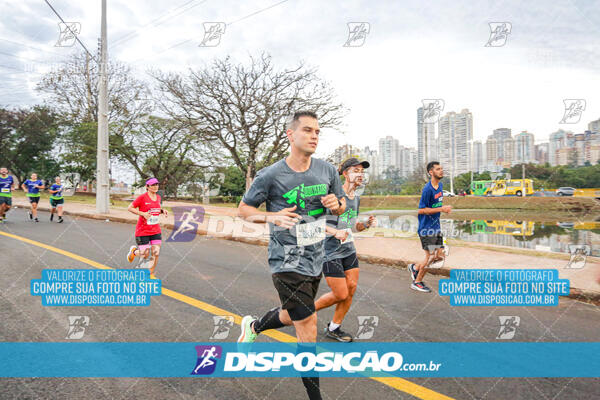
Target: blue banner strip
x=188 y=359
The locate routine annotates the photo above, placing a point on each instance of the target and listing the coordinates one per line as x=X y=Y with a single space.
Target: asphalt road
x=234 y=276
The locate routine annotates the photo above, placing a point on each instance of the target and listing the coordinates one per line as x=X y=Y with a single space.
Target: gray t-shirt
x=334 y=248
x=281 y=187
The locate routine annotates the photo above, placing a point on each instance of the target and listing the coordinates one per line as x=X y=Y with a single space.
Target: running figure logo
x=68 y=33
x=579 y=253
x=499 y=32
x=366 y=326
x=70 y=181
x=223 y=323
x=357 y=33
x=187 y=221
x=348 y=215
x=207 y=359
x=292 y=255
x=432 y=110
x=573 y=110
x=299 y=194
x=77 y=325
x=212 y=34
x=508 y=326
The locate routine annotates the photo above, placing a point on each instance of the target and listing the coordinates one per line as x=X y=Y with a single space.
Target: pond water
x=556 y=236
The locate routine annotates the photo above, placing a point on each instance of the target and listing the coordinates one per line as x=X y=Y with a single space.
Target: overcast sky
x=415 y=50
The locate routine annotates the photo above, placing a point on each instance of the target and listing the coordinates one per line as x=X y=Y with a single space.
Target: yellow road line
x=401 y=384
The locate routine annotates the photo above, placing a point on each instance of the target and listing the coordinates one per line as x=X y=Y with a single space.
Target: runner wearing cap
x=341 y=263
x=298 y=191
x=147 y=231
x=32 y=187
x=429 y=229
x=7 y=184
x=56 y=200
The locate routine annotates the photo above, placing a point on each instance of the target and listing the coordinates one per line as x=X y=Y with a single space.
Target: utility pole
x=452 y=176
x=102 y=175
x=471 y=183
x=523 y=180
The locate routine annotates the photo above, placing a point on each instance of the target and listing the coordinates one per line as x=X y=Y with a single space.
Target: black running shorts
x=297 y=293
x=337 y=268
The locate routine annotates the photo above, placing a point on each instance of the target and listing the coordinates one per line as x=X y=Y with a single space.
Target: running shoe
x=338 y=334
x=247 y=335
x=131 y=254
x=51 y=217
x=60 y=220
x=36 y=220
x=420 y=286
x=413 y=271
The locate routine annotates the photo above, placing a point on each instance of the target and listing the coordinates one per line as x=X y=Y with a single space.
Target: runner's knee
x=351 y=288
x=341 y=293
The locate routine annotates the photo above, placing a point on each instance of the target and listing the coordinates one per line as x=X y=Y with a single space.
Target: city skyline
x=455 y=147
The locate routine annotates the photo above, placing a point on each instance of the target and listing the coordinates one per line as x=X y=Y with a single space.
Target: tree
x=73 y=90
x=27 y=139
x=415 y=182
x=165 y=149
x=234 y=183
x=244 y=108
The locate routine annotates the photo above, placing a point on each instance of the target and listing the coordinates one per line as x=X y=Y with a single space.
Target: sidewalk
x=220 y=222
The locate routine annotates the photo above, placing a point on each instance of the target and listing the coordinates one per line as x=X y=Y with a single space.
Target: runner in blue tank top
x=56 y=199
x=7 y=184
x=32 y=188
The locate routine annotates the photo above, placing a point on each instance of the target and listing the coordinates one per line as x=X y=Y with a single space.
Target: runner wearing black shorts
x=7 y=184
x=429 y=230
x=32 y=186
x=56 y=199
x=341 y=263
x=148 y=237
x=298 y=191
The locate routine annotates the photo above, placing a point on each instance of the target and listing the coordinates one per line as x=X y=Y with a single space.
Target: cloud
x=414 y=50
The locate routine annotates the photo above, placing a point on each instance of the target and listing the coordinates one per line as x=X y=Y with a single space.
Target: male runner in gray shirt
x=298 y=191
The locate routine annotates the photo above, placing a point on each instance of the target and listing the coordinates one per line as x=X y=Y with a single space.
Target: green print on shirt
x=348 y=215
x=301 y=192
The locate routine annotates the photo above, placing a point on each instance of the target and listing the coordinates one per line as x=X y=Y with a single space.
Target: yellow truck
x=512 y=187
x=513 y=228
x=593 y=192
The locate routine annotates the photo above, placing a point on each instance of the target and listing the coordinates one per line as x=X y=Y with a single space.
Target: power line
x=125 y=38
x=23 y=58
x=257 y=12
x=33 y=48
x=230 y=23
x=69 y=28
x=19 y=69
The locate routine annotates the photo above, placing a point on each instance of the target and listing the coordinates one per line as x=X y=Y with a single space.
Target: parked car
x=565 y=191
x=448 y=194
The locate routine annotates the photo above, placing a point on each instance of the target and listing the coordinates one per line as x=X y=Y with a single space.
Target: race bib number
x=153 y=220
x=310 y=233
x=350 y=237
x=5 y=190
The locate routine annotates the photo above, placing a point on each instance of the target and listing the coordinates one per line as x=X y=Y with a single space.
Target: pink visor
x=151 y=181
